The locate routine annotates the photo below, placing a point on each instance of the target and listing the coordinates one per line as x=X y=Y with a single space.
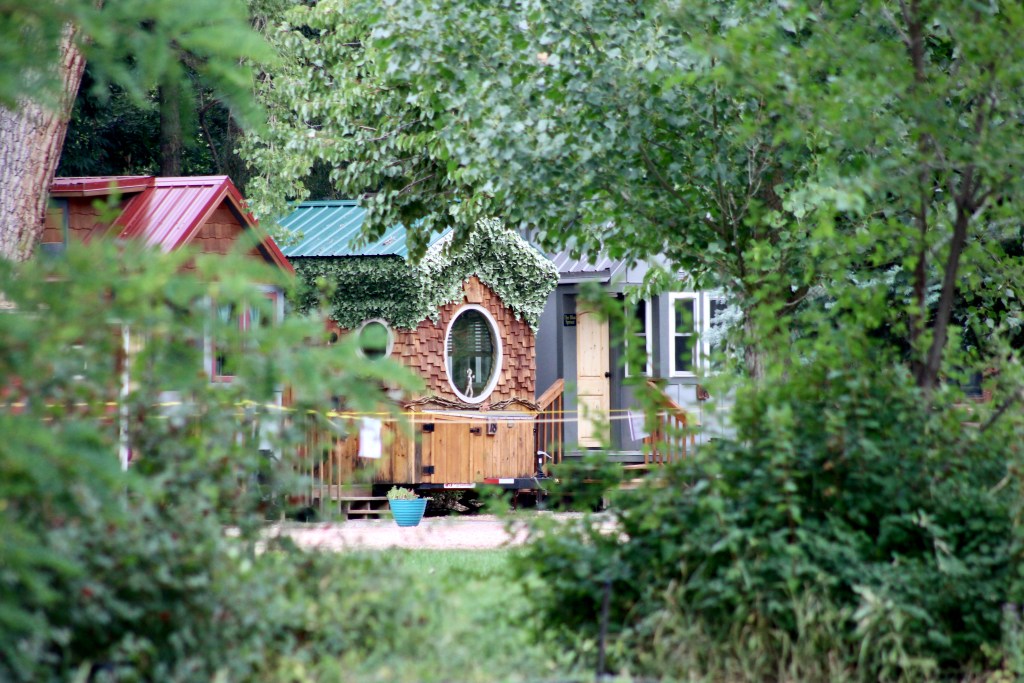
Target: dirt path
x=437 y=533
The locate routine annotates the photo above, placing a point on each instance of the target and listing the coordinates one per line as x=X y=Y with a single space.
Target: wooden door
x=593 y=387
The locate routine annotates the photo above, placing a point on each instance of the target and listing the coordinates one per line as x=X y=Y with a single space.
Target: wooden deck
x=428 y=447
x=460 y=447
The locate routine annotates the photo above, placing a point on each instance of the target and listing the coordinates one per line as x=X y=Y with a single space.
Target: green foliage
x=608 y=128
x=775 y=149
x=136 y=44
x=105 y=569
x=110 y=133
x=401 y=493
x=359 y=289
x=419 y=615
x=404 y=293
x=849 y=526
x=110 y=136
x=162 y=572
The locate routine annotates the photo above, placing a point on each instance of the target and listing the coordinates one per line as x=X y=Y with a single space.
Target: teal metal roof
x=330 y=228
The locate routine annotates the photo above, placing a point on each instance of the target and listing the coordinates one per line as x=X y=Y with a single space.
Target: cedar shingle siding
x=422 y=349
x=220 y=233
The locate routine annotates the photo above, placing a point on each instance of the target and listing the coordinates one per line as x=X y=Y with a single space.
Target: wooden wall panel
x=53 y=230
x=458 y=454
x=220 y=232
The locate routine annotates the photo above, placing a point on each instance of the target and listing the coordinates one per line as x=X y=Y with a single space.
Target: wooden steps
x=363 y=507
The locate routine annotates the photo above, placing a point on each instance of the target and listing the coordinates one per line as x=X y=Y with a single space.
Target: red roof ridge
x=171 y=181
x=84 y=186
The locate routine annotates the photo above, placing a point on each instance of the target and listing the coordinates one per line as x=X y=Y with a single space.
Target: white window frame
x=391 y=337
x=498 y=354
x=698 y=316
x=648 y=340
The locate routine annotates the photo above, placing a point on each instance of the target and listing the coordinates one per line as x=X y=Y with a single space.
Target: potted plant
x=406 y=507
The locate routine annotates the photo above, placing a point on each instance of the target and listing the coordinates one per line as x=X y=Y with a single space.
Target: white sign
x=370 y=445
x=636 y=426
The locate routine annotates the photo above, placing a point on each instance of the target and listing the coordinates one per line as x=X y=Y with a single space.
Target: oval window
x=473 y=354
x=374 y=339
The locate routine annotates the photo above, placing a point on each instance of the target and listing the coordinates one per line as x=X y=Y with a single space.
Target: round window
x=374 y=339
x=473 y=354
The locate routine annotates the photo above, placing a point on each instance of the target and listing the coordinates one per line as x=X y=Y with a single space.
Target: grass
x=461 y=564
x=475 y=624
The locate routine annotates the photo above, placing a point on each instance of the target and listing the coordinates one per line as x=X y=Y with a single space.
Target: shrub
x=128 y=575
x=850 y=527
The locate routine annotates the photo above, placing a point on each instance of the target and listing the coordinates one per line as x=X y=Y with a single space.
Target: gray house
x=574 y=345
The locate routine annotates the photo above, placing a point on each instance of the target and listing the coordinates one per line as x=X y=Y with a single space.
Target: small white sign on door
x=370 y=444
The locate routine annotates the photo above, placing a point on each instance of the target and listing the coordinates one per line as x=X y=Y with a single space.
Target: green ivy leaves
x=404 y=293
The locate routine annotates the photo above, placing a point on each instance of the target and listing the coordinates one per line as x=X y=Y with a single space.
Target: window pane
x=223 y=362
x=373 y=340
x=684 y=353
x=716 y=308
x=226 y=313
x=637 y=341
x=640 y=313
x=637 y=366
x=265 y=314
x=684 y=315
x=470 y=353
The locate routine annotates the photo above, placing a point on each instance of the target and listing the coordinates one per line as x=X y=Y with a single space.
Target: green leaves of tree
x=773 y=148
x=136 y=44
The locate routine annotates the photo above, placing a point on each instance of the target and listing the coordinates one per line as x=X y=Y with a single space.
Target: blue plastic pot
x=408 y=512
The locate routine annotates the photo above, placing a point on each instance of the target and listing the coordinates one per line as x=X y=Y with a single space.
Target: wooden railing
x=326 y=464
x=550 y=432
x=670 y=438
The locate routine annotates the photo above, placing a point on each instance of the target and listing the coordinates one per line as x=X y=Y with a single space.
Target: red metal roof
x=98 y=185
x=170 y=211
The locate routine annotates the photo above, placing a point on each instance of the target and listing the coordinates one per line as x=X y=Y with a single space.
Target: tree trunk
x=753 y=349
x=31 y=139
x=928 y=374
x=170 y=129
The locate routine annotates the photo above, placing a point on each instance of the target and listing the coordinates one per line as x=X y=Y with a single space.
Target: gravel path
x=437 y=533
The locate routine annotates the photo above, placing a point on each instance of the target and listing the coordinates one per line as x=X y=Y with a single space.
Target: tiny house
x=206 y=213
x=463 y=318
x=578 y=346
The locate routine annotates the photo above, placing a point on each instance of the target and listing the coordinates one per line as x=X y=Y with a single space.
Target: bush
x=849 y=528
x=128 y=575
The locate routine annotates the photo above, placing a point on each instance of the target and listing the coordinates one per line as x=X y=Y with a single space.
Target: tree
x=776 y=148
x=31 y=137
x=548 y=117
x=112 y=134
x=134 y=43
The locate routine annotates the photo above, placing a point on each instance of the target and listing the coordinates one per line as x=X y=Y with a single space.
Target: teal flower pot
x=408 y=512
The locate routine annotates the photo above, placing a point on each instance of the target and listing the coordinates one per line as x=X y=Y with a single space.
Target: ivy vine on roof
x=404 y=293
